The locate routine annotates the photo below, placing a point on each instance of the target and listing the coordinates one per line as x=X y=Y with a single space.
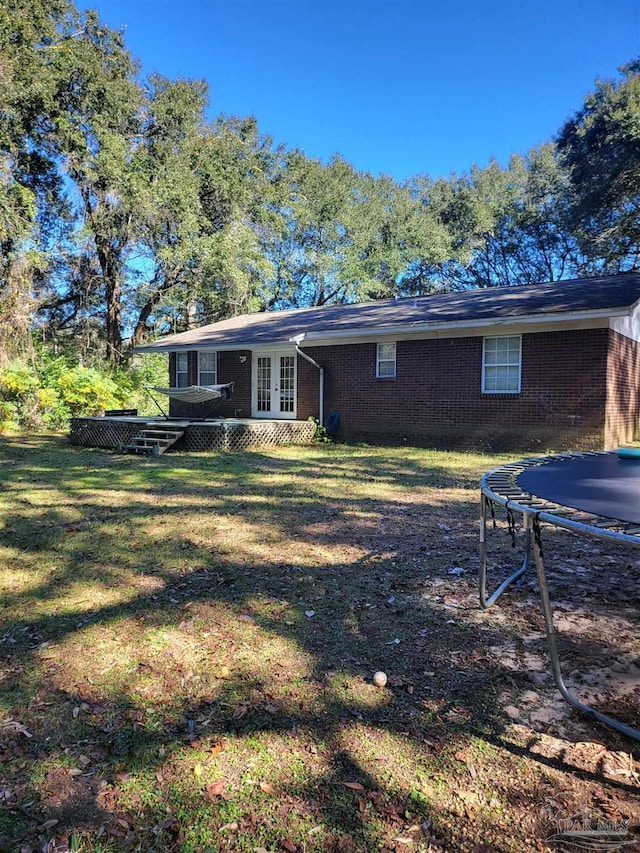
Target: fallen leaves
x=216 y=789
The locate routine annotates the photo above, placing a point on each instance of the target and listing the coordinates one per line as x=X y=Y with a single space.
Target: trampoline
x=592 y=494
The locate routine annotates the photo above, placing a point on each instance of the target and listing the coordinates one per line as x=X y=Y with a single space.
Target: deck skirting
x=228 y=434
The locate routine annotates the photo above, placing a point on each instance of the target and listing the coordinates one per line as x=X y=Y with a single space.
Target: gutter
x=296 y=341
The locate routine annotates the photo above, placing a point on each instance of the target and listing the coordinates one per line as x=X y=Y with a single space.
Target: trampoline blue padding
x=602 y=484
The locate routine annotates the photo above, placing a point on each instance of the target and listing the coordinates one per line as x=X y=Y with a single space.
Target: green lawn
x=188 y=644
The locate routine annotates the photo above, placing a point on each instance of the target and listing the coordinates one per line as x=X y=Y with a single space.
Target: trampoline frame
x=500 y=486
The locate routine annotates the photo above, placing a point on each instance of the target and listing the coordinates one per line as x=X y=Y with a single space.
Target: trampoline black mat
x=603 y=485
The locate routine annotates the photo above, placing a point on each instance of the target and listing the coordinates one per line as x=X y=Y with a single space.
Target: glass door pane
x=264 y=383
x=287 y=383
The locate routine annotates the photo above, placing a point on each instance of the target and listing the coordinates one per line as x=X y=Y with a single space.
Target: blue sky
x=402 y=87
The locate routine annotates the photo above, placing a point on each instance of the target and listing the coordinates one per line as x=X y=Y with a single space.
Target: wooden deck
x=216 y=434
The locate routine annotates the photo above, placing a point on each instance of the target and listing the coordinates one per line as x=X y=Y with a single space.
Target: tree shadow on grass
x=169 y=611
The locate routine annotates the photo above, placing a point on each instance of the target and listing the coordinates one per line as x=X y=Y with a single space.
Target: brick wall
x=623 y=390
x=308 y=400
x=580 y=390
x=436 y=396
x=231 y=368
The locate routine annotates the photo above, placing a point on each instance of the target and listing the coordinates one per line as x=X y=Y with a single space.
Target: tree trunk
x=113 y=301
x=154 y=300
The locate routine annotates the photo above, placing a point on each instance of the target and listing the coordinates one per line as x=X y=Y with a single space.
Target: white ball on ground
x=380 y=679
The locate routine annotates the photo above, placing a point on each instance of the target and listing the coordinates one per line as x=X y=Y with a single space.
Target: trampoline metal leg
x=551 y=640
x=488 y=600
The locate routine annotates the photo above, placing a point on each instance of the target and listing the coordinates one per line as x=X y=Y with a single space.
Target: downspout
x=296 y=341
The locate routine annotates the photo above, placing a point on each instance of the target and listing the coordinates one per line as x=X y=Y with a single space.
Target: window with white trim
x=207 y=368
x=501 y=365
x=182 y=369
x=386 y=361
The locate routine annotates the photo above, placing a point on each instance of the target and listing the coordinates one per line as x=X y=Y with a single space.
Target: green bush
x=17 y=380
x=56 y=389
x=18 y=396
x=147 y=369
x=55 y=413
x=321 y=435
x=8 y=420
x=87 y=392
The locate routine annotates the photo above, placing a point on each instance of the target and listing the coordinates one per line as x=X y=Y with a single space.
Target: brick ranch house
x=551 y=365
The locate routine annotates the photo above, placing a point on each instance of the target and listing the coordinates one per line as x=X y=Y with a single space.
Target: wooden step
x=152 y=442
x=148 y=450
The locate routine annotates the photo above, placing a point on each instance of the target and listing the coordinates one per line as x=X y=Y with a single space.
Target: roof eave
x=404 y=329
x=487 y=322
x=212 y=345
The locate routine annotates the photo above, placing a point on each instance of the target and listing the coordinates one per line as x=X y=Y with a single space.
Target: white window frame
x=507 y=363
x=214 y=371
x=387 y=360
x=180 y=356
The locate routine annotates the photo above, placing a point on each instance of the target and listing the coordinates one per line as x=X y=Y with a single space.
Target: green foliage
x=147 y=369
x=320 y=435
x=600 y=147
x=17 y=380
x=88 y=392
x=18 y=396
x=8 y=416
x=59 y=390
x=54 y=410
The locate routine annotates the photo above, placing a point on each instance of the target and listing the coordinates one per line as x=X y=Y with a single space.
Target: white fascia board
x=467 y=328
x=628 y=326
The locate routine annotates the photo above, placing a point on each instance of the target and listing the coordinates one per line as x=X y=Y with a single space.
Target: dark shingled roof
x=613 y=293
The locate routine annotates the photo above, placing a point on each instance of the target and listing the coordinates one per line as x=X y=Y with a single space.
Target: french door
x=274 y=384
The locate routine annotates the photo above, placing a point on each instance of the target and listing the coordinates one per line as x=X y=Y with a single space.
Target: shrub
x=8 y=420
x=55 y=413
x=321 y=435
x=56 y=389
x=17 y=380
x=87 y=392
x=146 y=369
x=18 y=395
